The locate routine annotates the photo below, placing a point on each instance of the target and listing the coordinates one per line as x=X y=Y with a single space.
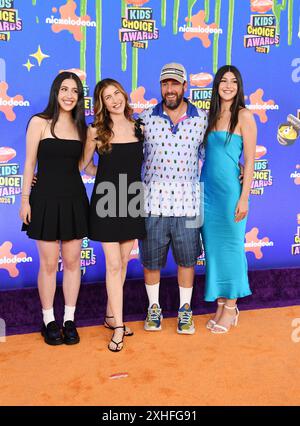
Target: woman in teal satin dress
x=231 y=130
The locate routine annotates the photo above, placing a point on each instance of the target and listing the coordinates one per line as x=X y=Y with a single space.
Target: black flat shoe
x=71 y=337
x=52 y=334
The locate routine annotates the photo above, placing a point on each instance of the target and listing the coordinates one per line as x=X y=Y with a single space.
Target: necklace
x=176 y=116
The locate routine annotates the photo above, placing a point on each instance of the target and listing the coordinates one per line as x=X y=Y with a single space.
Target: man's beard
x=175 y=103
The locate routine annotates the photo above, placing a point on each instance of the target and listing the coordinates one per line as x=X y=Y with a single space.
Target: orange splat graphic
x=297 y=179
x=68 y=11
x=80 y=73
x=136 y=2
x=135 y=251
x=257 y=98
x=5 y=252
x=251 y=236
x=202 y=79
x=261 y=6
x=138 y=101
x=198 y=20
x=260 y=151
x=8 y=109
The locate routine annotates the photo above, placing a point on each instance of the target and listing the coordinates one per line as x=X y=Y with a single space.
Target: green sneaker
x=154 y=318
x=185 y=320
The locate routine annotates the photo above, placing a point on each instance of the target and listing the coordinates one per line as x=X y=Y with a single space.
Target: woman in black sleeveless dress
x=122 y=168
x=116 y=212
x=57 y=207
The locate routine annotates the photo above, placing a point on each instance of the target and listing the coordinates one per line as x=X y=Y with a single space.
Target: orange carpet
x=257 y=363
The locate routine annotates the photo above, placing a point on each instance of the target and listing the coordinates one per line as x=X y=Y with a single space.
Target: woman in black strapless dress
x=57 y=208
x=116 y=211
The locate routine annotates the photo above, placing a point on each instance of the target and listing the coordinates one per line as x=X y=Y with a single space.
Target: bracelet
x=26 y=195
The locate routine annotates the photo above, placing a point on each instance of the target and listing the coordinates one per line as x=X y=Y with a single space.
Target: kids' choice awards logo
x=88 y=102
x=9 y=19
x=296 y=244
x=138 y=27
x=261 y=33
x=262 y=174
x=201 y=259
x=87 y=257
x=200 y=95
x=9 y=261
x=10 y=179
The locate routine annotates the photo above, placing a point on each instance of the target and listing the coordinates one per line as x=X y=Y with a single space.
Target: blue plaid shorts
x=182 y=233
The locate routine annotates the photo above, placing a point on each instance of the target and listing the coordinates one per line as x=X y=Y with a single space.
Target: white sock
x=48 y=316
x=185 y=295
x=69 y=313
x=153 y=294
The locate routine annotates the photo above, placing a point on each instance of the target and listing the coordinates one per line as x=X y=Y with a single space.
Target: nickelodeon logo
x=296 y=175
x=134 y=254
x=197 y=27
x=138 y=101
x=259 y=107
x=7 y=103
x=69 y=21
x=9 y=261
x=254 y=244
x=13 y=102
x=88 y=179
x=261 y=6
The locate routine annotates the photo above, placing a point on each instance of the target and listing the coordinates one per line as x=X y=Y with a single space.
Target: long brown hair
x=102 y=120
x=51 y=112
x=215 y=103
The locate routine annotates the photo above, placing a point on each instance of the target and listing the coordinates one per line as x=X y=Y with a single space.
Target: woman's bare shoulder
x=38 y=122
x=245 y=114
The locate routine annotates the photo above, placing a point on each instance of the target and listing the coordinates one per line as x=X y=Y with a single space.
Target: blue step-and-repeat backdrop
x=130 y=40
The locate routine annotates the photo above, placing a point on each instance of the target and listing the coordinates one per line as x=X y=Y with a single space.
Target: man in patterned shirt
x=174 y=131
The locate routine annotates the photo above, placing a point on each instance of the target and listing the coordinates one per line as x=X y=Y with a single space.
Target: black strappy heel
x=117 y=349
x=106 y=325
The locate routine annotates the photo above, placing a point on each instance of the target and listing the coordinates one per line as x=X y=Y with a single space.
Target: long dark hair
x=102 y=120
x=51 y=112
x=215 y=103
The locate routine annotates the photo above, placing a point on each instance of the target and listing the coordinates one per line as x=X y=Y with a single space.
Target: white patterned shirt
x=171 y=161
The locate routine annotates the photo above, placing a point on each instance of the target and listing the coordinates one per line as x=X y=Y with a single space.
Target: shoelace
x=154 y=314
x=185 y=317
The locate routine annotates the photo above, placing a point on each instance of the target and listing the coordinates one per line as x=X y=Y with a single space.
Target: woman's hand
x=91 y=169
x=34 y=180
x=241 y=176
x=25 y=211
x=241 y=210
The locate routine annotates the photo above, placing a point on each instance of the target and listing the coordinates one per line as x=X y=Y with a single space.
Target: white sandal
x=211 y=323
x=220 y=329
